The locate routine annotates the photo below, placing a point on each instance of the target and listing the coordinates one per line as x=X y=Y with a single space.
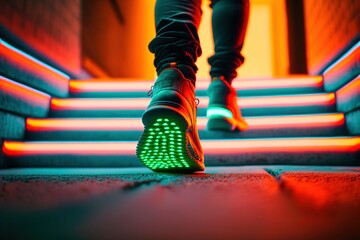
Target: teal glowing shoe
x=223 y=112
x=170 y=141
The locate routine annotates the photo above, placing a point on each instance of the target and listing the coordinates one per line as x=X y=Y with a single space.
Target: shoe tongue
x=221 y=78
x=171 y=78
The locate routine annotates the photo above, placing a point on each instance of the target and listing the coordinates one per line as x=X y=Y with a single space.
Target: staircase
x=291 y=121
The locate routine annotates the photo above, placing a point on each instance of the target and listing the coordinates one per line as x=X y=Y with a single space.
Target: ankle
x=187 y=71
x=223 y=79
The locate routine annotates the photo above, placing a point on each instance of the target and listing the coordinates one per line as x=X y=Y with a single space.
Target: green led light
x=215 y=112
x=161 y=148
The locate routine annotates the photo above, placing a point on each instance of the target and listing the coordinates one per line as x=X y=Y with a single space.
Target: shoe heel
x=219 y=124
x=153 y=114
x=163 y=146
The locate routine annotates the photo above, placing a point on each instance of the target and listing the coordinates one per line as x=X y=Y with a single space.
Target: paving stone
x=221 y=203
x=324 y=191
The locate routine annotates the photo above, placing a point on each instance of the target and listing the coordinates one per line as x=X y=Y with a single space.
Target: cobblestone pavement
x=270 y=202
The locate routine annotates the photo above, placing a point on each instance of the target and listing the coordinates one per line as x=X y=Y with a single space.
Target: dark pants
x=177 y=39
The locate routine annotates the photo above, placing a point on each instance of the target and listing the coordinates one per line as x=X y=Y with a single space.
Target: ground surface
x=272 y=202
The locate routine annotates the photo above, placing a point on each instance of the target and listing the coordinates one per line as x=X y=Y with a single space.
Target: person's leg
x=170 y=141
x=229 y=21
x=176 y=38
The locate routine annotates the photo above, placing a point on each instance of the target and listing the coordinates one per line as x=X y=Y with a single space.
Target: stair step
x=23 y=100
x=131 y=128
x=250 y=106
x=245 y=87
x=313 y=151
x=32 y=72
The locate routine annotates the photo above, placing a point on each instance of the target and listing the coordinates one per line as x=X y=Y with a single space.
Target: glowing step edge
x=211 y=147
x=141 y=103
x=129 y=124
x=122 y=85
x=25 y=58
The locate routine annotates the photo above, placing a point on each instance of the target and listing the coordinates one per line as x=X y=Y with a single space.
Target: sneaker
x=223 y=112
x=170 y=141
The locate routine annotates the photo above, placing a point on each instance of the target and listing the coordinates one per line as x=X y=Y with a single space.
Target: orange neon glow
x=118 y=124
x=31 y=65
x=100 y=104
x=108 y=85
x=121 y=85
x=289 y=82
x=351 y=89
x=339 y=144
x=297 y=121
x=23 y=92
x=281 y=101
x=110 y=124
x=344 y=63
x=303 y=121
x=295 y=145
x=141 y=103
x=75 y=148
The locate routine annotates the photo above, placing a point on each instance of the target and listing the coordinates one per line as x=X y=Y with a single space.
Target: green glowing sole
x=163 y=144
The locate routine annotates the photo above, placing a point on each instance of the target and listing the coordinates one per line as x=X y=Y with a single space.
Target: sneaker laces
x=150 y=92
x=197 y=102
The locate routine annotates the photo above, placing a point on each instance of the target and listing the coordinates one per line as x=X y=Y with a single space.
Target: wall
x=331 y=28
x=122 y=49
x=51 y=28
x=265 y=48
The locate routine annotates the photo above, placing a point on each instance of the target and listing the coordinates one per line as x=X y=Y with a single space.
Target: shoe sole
x=163 y=145
x=226 y=124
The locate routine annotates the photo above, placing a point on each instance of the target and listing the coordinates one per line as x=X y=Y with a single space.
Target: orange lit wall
x=118 y=48
x=51 y=28
x=331 y=27
x=265 y=44
x=134 y=58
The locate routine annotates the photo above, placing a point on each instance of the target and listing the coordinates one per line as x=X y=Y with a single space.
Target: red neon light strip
x=290 y=82
x=282 y=101
x=94 y=124
x=30 y=64
x=141 y=103
x=339 y=144
x=121 y=85
x=98 y=85
x=350 y=89
x=99 y=104
x=23 y=92
x=75 y=148
x=119 y=124
x=295 y=145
